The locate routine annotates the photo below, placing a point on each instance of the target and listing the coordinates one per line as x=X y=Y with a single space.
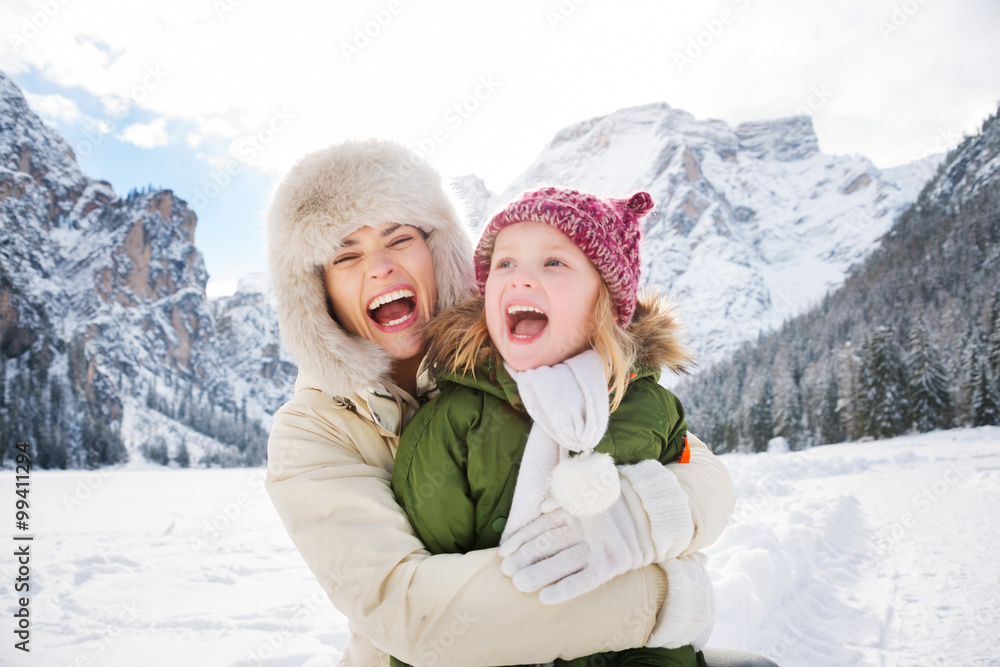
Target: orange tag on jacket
x=686 y=454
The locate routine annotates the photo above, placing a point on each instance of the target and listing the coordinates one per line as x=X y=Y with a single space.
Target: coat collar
x=383 y=403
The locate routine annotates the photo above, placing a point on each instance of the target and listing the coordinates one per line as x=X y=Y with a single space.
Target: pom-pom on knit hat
x=607 y=230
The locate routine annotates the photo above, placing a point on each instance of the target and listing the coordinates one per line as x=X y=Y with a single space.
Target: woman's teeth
x=392 y=323
x=389 y=297
x=392 y=308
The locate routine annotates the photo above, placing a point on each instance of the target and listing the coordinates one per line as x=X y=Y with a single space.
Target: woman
x=364 y=248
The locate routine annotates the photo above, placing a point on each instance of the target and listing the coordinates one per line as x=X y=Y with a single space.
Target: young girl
x=559 y=356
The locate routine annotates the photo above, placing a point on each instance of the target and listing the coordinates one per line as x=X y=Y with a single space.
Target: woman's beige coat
x=331 y=450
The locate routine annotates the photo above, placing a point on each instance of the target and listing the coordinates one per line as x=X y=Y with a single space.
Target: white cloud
x=54 y=107
x=217 y=288
x=346 y=70
x=147 y=135
x=220 y=162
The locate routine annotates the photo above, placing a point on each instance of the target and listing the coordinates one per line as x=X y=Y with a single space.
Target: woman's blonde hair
x=470 y=346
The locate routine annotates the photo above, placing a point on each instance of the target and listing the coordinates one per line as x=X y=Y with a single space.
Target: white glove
x=688 y=613
x=565 y=556
x=650 y=522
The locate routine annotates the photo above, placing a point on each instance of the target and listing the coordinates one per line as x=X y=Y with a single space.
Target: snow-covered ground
x=873 y=553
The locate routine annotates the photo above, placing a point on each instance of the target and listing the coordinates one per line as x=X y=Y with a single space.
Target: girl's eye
x=554 y=262
x=503 y=264
x=400 y=242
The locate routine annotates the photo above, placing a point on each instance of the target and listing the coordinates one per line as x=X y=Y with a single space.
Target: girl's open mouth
x=392 y=309
x=524 y=322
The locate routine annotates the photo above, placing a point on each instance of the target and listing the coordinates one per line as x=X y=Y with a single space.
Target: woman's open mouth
x=525 y=322
x=393 y=310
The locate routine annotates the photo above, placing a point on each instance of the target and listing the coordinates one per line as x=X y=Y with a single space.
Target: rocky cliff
x=104 y=318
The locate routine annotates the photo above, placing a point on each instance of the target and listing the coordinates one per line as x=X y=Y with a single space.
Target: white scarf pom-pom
x=587 y=484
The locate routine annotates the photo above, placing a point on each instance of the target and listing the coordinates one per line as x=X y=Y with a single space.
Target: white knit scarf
x=568 y=404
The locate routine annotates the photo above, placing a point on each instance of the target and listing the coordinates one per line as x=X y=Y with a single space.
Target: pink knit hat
x=607 y=230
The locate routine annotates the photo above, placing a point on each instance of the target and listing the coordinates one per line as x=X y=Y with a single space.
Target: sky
x=216 y=99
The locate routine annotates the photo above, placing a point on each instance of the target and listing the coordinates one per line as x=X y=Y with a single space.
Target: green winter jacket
x=458 y=459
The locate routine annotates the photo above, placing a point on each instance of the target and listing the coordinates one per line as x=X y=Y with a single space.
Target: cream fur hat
x=328 y=195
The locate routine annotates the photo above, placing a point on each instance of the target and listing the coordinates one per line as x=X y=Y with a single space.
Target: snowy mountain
x=247 y=327
x=911 y=340
x=753 y=224
x=108 y=344
x=103 y=312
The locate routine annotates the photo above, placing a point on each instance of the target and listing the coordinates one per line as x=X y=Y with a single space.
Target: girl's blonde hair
x=471 y=346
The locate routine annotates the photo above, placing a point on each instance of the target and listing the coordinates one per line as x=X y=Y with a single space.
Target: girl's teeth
x=521 y=309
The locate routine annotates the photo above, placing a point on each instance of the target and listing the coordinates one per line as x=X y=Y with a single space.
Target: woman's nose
x=379 y=265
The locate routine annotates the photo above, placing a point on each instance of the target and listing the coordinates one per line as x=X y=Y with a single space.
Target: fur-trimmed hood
x=655 y=328
x=326 y=196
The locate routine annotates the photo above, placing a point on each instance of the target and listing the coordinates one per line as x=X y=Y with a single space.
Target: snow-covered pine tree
x=993 y=343
x=984 y=401
x=866 y=387
x=787 y=409
x=733 y=419
x=831 y=428
x=848 y=363
x=761 y=418
x=183 y=456
x=930 y=396
x=883 y=401
x=969 y=350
